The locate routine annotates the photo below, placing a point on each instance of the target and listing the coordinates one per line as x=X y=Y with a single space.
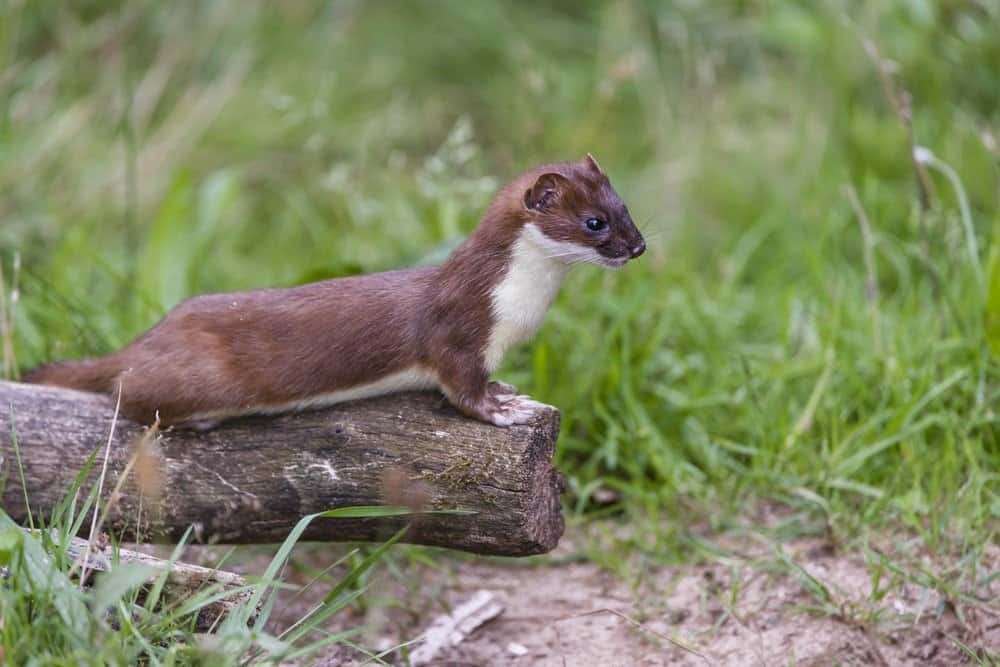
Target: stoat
x=448 y=326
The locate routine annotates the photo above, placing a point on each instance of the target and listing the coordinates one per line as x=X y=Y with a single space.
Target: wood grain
x=250 y=480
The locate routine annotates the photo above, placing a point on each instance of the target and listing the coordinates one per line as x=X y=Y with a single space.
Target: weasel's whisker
x=657 y=224
x=563 y=254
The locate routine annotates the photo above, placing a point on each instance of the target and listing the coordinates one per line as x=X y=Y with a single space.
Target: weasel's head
x=574 y=215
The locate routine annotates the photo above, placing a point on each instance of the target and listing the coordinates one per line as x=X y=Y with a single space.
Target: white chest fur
x=520 y=300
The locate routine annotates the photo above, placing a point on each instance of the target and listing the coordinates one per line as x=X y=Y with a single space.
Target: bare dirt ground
x=576 y=614
x=804 y=603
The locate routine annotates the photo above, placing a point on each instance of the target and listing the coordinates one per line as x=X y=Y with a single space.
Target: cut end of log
x=251 y=480
x=545 y=526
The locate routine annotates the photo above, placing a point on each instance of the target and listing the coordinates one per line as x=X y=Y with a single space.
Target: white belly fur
x=407 y=380
x=520 y=301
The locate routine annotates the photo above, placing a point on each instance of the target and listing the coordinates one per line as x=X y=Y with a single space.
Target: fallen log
x=251 y=480
x=183 y=579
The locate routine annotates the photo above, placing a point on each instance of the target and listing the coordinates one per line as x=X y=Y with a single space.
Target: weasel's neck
x=524 y=294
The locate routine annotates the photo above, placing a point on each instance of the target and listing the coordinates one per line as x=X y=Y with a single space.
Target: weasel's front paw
x=513 y=410
x=499 y=405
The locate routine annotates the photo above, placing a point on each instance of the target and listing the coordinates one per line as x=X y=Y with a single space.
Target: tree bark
x=250 y=480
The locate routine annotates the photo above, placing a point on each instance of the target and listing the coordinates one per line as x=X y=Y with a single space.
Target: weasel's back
x=239 y=351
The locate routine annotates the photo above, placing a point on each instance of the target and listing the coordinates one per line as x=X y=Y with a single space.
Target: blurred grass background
x=151 y=151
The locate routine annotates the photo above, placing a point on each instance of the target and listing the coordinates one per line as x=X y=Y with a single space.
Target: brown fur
x=247 y=350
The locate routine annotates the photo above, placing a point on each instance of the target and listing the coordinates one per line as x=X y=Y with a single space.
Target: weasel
x=447 y=326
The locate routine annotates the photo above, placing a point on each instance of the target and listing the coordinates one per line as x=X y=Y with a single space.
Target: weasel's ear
x=546 y=191
x=592 y=163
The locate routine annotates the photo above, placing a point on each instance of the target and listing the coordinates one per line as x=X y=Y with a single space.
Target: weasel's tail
x=87 y=375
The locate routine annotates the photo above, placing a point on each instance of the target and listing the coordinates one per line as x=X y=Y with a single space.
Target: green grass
x=149 y=152
x=128 y=615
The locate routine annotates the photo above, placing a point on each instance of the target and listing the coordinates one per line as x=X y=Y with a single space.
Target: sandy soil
x=567 y=616
x=813 y=606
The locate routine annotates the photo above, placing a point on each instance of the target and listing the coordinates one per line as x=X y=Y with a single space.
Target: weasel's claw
x=515 y=410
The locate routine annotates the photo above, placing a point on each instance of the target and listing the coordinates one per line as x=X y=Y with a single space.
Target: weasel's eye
x=596 y=224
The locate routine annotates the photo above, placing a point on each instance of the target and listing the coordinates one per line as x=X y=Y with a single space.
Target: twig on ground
x=451 y=629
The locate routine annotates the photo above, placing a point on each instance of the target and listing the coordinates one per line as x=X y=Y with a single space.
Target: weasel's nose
x=637 y=250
